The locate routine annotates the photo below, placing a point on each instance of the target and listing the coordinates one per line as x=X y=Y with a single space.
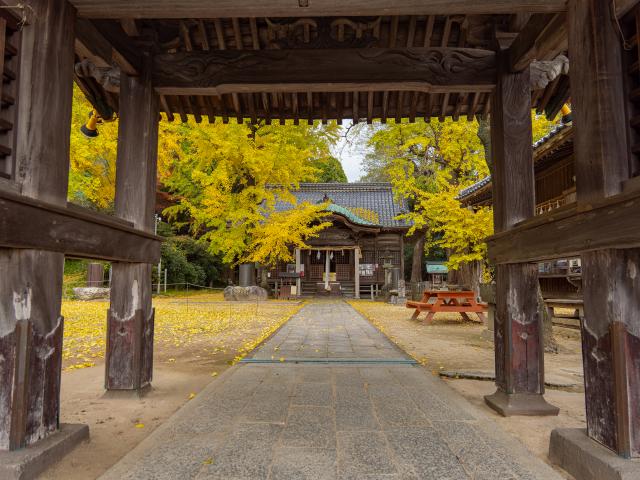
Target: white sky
x=351 y=155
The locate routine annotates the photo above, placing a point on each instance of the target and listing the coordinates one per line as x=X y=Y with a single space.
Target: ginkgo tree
x=227 y=180
x=92 y=174
x=224 y=179
x=428 y=164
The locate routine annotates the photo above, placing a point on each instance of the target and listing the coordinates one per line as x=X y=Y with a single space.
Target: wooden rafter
x=284 y=8
x=102 y=52
x=542 y=38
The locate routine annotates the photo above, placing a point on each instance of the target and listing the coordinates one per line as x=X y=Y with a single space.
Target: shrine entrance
x=310 y=60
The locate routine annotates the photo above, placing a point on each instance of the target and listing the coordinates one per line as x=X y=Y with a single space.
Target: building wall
x=375 y=249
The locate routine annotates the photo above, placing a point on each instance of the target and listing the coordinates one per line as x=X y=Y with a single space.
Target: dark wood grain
x=581 y=231
x=511 y=138
x=129 y=358
x=518 y=330
x=92 y=43
x=136 y=170
x=610 y=279
x=600 y=139
x=44 y=110
x=130 y=325
x=218 y=72
x=611 y=348
x=287 y=8
x=518 y=326
x=72 y=231
x=543 y=38
x=31 y=280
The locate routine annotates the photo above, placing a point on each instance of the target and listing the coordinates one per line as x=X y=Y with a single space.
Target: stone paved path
x=336 y=420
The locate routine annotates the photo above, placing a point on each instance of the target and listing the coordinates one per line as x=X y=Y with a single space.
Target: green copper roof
x=352 y=217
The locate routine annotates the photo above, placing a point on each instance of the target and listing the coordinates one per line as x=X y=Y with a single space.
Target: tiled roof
x=487 y=180
x=377 y=197
x=475 y=187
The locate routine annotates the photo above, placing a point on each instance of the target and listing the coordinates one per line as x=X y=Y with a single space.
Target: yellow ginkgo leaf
x=139 y=425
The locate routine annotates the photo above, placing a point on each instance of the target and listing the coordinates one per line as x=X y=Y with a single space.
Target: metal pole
x=165 y=280
x=158 y=220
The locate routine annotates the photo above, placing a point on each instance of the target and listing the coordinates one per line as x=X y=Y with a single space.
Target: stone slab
x=29 y=462
x=511 y=404
x=551 y=381
x=574 y=451
x=340 y=421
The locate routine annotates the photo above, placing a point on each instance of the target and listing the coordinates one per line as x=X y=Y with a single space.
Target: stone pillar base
x=510 y=404
x=586 y=459
x=29 y=462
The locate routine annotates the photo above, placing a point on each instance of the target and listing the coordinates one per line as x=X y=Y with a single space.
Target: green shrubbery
x=188 y=261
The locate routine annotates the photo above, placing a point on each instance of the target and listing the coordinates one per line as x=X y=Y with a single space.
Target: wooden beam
x=31 y=279
x=624 y=6
x=612 y=223
x=72 y=230
x=129 y=357
x=91 y=40
x=287 y=8
x=600 y=139
x=608 y=224
x=519 y=351
x=543 y=38
x=420 y=69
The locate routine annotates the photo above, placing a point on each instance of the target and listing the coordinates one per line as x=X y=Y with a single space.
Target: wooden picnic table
x=439 y=301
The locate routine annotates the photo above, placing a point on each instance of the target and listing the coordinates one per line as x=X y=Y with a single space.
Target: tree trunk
x=418 y=255
x=550 y=344
x=484 y=134
x=469 y=275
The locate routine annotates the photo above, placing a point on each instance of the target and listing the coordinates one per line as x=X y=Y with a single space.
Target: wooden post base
x=30 y=366
x=129 y=357
x=525 y=404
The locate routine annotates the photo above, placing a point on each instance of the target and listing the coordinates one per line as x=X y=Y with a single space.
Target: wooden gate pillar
x=611 y=278
x=519 y=352
x=129 y=356
x=31 y=280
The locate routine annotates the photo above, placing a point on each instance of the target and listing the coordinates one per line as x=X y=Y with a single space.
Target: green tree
x=329 y=170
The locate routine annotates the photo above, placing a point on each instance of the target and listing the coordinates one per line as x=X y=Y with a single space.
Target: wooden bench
x=569 y=303
x=436 y=301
